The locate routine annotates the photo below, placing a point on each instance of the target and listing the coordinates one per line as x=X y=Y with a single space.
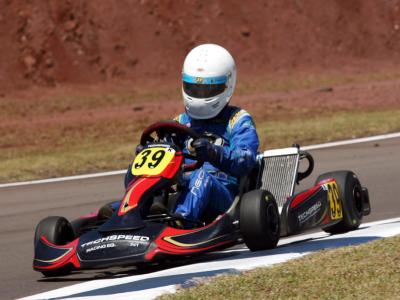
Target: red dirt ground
x=51 y=42
x=52 y=48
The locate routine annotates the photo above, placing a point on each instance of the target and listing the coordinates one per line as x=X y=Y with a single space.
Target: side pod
x=317 y=207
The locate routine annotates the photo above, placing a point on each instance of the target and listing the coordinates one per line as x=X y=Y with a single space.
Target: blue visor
x=204 y=80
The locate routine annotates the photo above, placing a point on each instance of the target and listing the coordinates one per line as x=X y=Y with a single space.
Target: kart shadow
x=241 y=258
x=305 y=246
x=99 y=274
x=309 y=245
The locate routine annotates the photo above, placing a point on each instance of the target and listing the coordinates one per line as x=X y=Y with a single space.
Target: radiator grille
x=279 y=175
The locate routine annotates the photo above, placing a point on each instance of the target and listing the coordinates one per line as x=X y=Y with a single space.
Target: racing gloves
x=206 y=151
x=235 y=162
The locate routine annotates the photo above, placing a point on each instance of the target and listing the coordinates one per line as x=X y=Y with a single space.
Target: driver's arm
x=240 y=157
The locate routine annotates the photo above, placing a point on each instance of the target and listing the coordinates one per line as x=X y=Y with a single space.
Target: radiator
x=278 y=173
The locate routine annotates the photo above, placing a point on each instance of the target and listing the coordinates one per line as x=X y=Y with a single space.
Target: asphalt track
x=377 y=165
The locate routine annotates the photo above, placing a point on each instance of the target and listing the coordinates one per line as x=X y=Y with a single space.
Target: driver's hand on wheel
x=204 y=150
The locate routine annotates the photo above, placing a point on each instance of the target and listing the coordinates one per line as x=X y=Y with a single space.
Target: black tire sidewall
x=353 y=218
x=57 y=230
x=254 y=225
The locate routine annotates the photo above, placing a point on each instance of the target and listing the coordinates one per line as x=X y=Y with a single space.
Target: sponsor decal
x=201 y=183
x=115 y=237
x=309 y=213
x=199 y=179
x=98 y=247
x=161 y=145
x=199 y=80
x=335 y=203
x=236 y=117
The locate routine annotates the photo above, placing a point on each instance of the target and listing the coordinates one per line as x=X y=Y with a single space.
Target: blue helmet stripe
x=204 y=80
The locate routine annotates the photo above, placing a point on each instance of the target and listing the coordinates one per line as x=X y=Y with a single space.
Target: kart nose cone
x=113 y=246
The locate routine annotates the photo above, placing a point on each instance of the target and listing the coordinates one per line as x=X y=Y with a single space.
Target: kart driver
x=230 y=142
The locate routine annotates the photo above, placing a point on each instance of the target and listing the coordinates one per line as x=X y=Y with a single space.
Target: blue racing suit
x=211 y=189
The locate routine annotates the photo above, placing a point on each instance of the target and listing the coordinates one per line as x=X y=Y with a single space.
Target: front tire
x=58 y=231
x=352 y=200
x=259 y=220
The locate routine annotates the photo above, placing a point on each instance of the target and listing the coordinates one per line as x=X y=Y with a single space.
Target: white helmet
x=208 y=80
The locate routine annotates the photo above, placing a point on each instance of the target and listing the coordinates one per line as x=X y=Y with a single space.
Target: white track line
x=353 y=141
x=154 y=284
x=59 y=179
x=119 y=172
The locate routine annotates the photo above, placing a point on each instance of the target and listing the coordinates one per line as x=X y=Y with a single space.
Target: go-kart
x=125 y=233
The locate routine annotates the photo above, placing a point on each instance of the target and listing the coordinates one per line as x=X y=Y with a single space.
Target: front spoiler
x=50 y=257
x=91 y=251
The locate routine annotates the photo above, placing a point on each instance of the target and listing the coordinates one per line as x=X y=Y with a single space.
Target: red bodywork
x=168 y=245
x=169 y=240
x=69 y=256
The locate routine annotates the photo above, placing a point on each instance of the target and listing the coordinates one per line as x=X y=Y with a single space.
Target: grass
x=65 y=134
x=368 y=271
x=79 y=160
x=85 y=151
x=290 y=82
x=326 y=128
x=45 y=105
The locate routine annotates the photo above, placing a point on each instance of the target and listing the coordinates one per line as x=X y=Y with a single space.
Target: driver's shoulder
x=239 y=117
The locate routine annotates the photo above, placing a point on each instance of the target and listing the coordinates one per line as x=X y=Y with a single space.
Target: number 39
x=154 y=161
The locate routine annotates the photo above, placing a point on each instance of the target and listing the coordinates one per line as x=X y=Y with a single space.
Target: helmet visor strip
x=203 y=87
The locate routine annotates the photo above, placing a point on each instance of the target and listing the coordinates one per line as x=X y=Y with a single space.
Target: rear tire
x=351 y=194
x=259 y=220
x=58 y=231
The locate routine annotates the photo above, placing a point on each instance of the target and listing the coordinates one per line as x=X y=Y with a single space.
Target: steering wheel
x=169 y=128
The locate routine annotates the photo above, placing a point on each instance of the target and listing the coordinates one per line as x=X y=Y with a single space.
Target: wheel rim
x=357 y=196
x=272 y=220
